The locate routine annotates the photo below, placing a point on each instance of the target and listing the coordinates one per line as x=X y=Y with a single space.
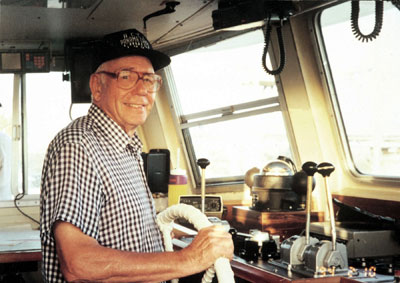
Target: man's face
x=129 y=108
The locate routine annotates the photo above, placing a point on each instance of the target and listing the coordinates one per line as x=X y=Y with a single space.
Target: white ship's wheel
x=165 y=220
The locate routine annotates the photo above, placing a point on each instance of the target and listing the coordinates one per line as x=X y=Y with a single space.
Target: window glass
x=6 y=110
x=235 y=146
x=227 y=73
x=228 y=78
x=48 y=101
x=365 y=78
x=6 y=101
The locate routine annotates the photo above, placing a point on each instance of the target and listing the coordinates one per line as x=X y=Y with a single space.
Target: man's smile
x=134 y=105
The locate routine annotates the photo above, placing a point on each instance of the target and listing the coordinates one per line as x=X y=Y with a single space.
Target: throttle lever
x=310 y=168
x=325 y=169
x=203 y=163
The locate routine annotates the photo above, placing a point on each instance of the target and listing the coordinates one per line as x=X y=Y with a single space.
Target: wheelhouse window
x=47 y=112
x=34 y=108
x=6 y=132
x=228 y=107
x=363 y=81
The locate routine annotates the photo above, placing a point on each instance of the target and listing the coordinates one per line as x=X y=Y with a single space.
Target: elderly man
x=97 y=213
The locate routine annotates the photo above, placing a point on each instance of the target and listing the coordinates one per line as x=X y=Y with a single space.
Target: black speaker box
x=157 y=168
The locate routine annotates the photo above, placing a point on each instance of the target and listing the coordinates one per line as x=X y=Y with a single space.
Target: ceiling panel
x=22 y=24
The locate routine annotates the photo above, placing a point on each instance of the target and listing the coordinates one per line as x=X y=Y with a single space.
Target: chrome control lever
x=203 y=163
x=310 y=168
x=325 y=169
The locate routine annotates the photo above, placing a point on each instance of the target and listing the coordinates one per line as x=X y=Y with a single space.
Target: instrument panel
x=213 y=204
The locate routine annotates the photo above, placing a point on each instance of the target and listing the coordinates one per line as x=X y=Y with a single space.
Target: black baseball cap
x=127 y=43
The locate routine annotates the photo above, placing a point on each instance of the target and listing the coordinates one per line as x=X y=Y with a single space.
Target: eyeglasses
x=127 y=79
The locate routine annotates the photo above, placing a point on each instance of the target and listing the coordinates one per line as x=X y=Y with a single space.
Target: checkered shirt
x=93 y=178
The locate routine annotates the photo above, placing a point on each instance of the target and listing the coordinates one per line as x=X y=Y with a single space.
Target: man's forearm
x=83 y=259
x=121 y=266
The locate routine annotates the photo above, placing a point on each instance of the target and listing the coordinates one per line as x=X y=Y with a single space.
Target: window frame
x=255 y=107
x=226 y=113
x=19 y=144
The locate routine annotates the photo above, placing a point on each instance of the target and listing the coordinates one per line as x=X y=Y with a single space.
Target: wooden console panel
x=285 y=224
x=389 y=208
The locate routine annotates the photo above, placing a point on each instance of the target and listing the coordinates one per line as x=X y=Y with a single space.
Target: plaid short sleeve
x=72 y=192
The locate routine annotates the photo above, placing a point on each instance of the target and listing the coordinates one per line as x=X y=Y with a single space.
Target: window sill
x=29 y=200
x=215 y=189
